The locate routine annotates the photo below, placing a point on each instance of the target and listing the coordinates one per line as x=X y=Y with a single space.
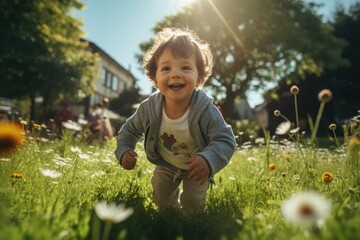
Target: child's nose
x=175 y=73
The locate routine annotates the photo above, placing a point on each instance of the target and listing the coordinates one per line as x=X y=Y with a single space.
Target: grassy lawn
x=48 y=190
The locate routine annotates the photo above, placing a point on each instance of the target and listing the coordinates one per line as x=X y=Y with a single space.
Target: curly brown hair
x=183 y=43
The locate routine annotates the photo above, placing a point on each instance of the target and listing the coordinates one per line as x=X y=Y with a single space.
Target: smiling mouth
x=176 y=86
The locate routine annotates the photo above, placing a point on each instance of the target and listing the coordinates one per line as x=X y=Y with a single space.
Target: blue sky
x=119 y=26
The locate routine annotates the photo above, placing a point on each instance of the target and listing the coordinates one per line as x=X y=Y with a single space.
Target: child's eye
x=164 y=69
x=186 y=68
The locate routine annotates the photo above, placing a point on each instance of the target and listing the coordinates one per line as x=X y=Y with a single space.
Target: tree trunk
x=228 y=105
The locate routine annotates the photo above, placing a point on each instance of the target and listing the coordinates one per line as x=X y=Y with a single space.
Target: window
x=103 y=75
x=109 y=79
x=115 y=81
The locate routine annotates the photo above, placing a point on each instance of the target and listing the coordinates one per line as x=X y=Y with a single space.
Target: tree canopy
x=41 y=53
x=258 y=42
x=343 y=81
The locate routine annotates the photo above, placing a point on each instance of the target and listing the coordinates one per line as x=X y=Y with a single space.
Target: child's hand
x=128 y=160
x=199 y=169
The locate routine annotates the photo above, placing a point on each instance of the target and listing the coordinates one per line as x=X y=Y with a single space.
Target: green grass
x=244 y=204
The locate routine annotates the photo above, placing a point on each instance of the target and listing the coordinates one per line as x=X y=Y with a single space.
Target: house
x=262 y=114
x=242 y=110
x=112 y=80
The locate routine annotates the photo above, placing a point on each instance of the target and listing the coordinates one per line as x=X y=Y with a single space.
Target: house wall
x=111 y=81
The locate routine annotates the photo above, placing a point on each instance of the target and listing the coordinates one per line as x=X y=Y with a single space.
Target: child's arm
x=128 y=160
x=199 y=169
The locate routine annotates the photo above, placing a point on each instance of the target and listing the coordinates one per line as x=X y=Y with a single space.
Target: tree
x=41 y=53
x=258 y=42
x=126 y=100
x=344 y=81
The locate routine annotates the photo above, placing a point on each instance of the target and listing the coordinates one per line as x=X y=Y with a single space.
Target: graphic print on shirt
x=180 y=149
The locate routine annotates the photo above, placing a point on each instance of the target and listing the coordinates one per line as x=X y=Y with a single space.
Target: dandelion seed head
x=294 y=90
x=332 y=126
x=325 y=95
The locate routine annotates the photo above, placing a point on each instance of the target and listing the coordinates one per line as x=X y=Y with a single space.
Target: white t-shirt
x=175 y=142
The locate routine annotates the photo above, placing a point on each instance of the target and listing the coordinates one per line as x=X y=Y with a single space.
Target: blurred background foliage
x=263 y=46
x=41 y=54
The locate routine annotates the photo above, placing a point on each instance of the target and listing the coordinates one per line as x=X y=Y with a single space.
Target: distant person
x=100 y=124
x=63 y=114
x=186 y=136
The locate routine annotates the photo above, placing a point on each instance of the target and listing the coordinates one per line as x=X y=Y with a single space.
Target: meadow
x=64 y=188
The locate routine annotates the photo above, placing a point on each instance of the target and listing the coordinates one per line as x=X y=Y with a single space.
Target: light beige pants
x=166 y=191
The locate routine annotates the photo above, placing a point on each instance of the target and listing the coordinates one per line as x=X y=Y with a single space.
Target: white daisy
x=306 y=209
x=75 y=149
x=71 y=126
x=283 y=128
x=111 y=212
x=50 y=173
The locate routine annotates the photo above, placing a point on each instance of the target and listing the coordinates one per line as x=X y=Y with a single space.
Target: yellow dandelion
x=353 y=142
x=327 y=177
x=287 y=157
x=272 y=166
x=11 y=136
x=37 y=126
x=16 y=175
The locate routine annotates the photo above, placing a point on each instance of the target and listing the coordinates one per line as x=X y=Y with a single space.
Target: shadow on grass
x=218 y=222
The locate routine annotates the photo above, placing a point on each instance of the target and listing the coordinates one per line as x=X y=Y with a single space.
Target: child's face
x=176 y=78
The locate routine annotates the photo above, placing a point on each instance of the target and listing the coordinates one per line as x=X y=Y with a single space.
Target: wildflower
x=111 y=212
x=332 y=126
x=295 y=130
x=37 y=126
x=50 y=173
x=71 y=126
x=353 y=142
x=16 y=175
x=306 y=209
x=272 y=166
x=294 y=90
x=327 y=177
x=11 y=136
x=283 y=128
x=325 y=95
x=23 y=122
x=277 y=113
x=75 y=149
